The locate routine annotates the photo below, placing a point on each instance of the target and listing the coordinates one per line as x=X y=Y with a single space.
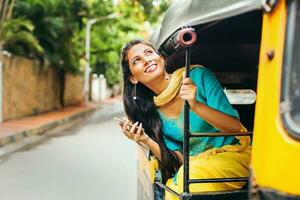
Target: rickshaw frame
x=270 y=55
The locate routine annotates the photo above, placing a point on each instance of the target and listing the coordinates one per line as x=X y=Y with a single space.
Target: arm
x=153 y=146
x=215 y=96
x=220 y=120
x=179 y=155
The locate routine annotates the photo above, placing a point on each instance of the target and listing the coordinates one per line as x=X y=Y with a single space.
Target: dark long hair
x=144 y=110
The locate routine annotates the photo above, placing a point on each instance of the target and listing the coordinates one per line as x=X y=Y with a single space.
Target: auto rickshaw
x=250 y=45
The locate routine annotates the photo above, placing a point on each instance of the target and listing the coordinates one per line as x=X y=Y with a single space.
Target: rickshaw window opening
x=290 y=94
x=240 y=96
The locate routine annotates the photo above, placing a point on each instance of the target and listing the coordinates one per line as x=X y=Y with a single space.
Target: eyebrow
x=138 y=55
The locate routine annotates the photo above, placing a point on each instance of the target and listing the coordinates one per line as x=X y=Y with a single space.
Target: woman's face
x=144 y=63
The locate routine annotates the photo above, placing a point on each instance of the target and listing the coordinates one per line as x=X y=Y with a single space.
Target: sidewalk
x=14 y=130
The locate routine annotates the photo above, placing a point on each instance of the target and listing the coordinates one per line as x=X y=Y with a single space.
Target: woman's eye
x=149 y=52
x=136 y=61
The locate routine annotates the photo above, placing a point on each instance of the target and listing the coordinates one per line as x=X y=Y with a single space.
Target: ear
x=133 y=79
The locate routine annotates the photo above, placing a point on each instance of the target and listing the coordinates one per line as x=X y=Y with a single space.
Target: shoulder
x=199 y=69
x=199 y=72
x=203 y=73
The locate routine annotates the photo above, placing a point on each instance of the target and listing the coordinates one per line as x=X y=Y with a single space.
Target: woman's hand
x=134 y=131
x=188 y=92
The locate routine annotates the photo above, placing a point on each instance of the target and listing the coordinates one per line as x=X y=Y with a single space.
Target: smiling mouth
x=151 y=68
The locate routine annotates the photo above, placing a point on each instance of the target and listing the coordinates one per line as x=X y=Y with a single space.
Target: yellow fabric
x=244 y=144
x=219 y=165
x=171 y=91
x=228 y=161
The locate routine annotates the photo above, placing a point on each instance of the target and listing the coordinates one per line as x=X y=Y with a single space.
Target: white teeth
x=151 y=68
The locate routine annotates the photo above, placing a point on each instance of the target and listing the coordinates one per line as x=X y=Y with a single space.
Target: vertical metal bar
x=186 y=129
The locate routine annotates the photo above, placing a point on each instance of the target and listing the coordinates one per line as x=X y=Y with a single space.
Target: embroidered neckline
x=171 y=118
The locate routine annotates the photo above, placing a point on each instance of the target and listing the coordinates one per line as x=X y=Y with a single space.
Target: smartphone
x=128 y=125
x=119 y=120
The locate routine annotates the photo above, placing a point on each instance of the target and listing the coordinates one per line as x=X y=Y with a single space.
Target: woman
x=154 y=100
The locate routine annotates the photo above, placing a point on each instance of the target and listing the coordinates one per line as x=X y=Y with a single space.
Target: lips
x=151 y=68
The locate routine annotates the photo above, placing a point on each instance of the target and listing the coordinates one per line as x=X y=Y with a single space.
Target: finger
x=133 y=127
x=183 y=75
x=185 y=87
x=125 y=132
x=138 y=132
x=129 y=125
x=125 y=126
x=120 y=124
x=140 y=128
x=187 y=81
x=186 y=96
x=125 y=119
x=185 y=92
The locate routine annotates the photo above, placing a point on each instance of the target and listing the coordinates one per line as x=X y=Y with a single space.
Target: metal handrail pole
x=186 y=189
x=219 y=180
x=167 y=188
x=218 y=134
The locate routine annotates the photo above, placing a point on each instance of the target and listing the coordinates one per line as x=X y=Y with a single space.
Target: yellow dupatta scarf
x=171 y=91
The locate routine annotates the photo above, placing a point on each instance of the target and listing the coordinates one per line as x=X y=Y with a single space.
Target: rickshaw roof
x=183 y=13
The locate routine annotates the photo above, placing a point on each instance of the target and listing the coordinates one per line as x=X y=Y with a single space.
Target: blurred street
x=92 y=160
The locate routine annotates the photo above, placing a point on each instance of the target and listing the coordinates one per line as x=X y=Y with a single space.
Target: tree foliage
x=16 y=35
x=59 y=31
x=109 y=36
x=16 y=32
x=56 y=23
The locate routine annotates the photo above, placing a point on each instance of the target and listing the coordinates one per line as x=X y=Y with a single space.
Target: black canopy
x=196 y=12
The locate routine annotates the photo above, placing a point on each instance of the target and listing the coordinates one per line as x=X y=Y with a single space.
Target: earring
x=134 y=92
x=167 y=76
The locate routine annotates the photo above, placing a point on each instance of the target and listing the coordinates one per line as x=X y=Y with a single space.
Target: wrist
x=145 y=140
x=193 y=105
x=198 y=108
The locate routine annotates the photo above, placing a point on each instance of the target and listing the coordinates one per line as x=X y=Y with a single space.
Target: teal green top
x=209 y=92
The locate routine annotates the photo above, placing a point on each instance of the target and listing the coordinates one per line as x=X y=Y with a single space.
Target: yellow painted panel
x=276 y=156
x=146 y=170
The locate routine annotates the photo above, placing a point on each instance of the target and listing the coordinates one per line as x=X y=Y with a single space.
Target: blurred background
x=60 y=87
x=63 y=46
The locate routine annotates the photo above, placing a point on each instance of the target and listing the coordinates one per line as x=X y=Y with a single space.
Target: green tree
x=60 y=31
x=57 y=25
x=108 y=37
x=16 y=34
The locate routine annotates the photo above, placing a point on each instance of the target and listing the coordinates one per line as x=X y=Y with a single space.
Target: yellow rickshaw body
x=275 y=154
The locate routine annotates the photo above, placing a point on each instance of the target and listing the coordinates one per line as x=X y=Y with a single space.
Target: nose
x=147 y=60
